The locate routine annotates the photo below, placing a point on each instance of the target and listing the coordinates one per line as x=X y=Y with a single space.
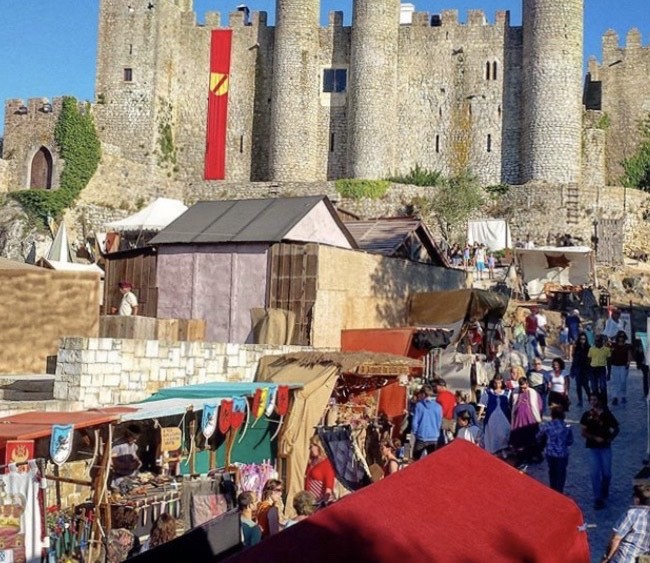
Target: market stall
x=475 y=318
x=206 y=443
x=69 y=453
x=338 y=389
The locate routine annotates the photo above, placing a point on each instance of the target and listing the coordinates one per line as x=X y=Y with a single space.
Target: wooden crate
x=191 y=329
x=116 y=326
x=167 y=329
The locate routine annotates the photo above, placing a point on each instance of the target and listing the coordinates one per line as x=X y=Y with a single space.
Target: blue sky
x=49 y=46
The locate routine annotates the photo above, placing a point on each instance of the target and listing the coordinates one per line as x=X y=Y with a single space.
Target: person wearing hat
x=129 y=303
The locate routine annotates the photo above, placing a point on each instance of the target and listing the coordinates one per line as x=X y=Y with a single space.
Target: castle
x=398 y=88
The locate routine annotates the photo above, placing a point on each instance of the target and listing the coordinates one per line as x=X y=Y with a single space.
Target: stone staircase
x=21 y=393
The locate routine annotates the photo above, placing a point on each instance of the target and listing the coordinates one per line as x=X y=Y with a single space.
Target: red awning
x=35 y=424
x=459 y=504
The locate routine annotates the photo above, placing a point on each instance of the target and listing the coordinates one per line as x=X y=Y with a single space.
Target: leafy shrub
x=352 y=188
x=419 y=176
x=637 y=167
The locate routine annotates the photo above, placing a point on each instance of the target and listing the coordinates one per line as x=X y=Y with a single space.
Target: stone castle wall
x=96 y=372
x=622 y=82
x=28 y=128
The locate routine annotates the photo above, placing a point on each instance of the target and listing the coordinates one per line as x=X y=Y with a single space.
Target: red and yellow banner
x=215 y=149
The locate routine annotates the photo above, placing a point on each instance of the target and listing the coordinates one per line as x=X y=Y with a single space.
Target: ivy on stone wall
x=637 y=167
x=80 y=149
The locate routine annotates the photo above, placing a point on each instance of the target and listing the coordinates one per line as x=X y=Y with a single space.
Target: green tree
x=455 y=202
x=637 y=167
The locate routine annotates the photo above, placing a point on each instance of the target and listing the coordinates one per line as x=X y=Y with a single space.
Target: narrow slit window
x=487 y=71
x=494 y=70
x=241 y=143
x=128 y=75
x=437 y=143
x=130 y=48
x=331 y=142
x=499 y=111
x=489 y=143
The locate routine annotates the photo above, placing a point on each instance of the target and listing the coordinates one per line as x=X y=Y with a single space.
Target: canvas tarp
x=431 y=511
x=154 y=217
x=571 y=265
x=272 y=326
x=452 y=309
x=493 y=233
x=308 y=406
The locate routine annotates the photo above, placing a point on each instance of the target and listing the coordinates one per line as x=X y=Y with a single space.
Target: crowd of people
x=509 y=418
x=473 y=257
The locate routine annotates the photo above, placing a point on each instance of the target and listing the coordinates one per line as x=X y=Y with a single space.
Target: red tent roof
x=459 y=505
x=35 y=424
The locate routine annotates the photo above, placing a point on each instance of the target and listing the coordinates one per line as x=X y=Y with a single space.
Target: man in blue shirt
x=426 y=424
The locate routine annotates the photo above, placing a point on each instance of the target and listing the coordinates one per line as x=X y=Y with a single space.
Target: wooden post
x=192 y=459
x=213 y=459
x=99 y=494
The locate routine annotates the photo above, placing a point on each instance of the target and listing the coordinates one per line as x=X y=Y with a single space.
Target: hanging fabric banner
x=19 y=451
x=261 y=407
x=239 y=407
x=270 y=401
x=209 y=420
x=215 y=150
x=61 y=443
x=225 y=416
x=282 y=400
x=257 y=399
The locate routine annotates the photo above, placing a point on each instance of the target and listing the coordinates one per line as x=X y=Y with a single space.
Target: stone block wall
x=97 y=372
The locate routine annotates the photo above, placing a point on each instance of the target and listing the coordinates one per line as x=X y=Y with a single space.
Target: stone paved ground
x=628 y=452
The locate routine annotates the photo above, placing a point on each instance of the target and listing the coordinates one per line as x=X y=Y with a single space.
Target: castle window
x=489 y=143
x=335 y=80
x=499 y=111
x=439 y=112
x=487 y=70
x=331 y=142
x=241 y=143
x=130 y=48
x=437 y=143
x=494 y=70
x=128 y=74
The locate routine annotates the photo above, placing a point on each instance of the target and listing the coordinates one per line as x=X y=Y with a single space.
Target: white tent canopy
x=166 y=407
x=155 y=217
x=574 y=265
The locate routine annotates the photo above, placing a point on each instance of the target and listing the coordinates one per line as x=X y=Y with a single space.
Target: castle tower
x=552 y=91
x=295 y=89
x=373 y=119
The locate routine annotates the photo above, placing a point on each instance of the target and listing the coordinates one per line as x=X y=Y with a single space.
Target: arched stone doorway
x=41 y=170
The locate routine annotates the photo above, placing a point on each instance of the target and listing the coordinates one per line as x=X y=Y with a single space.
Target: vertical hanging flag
x=215 y=149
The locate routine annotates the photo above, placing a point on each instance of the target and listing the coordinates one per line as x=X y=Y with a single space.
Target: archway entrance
x=41 y=173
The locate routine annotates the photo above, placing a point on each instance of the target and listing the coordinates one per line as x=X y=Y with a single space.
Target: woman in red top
x=319 y=478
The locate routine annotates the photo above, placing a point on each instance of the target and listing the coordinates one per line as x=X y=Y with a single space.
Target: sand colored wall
x=38 y=308
x=362 y=290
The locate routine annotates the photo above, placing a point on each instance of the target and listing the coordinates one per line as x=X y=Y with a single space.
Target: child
x=491 y=263
x=467 y=431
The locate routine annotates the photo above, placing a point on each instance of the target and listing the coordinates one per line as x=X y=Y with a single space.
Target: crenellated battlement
x=612 y=46
x=33 y=107
x=475 y=18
